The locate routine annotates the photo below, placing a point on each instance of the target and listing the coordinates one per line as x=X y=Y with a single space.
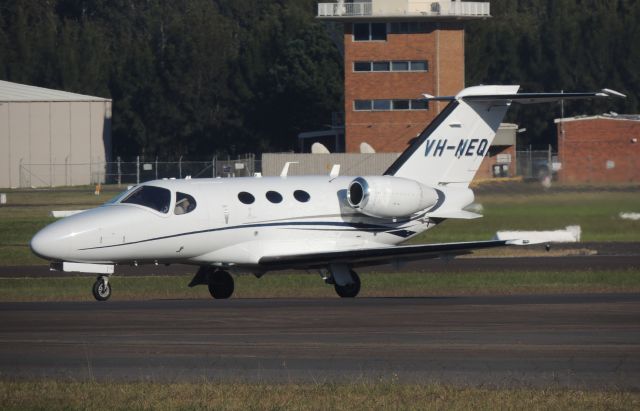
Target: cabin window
x=301 y=196
x=184 y=204
x=274 y=197
x=246 y=198
x=156 y=198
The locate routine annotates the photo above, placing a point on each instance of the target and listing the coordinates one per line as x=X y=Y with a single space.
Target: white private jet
x=329 y=223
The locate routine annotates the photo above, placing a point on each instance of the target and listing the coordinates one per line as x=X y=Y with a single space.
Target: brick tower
x=395 y=50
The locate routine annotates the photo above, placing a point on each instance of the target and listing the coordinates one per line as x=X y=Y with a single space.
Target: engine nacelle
x=389 y=197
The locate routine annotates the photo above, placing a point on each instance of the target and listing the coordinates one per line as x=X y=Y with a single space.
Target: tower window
x=390 y=105
x=382 y=105
x=361 y=32
x=369 y=31
x=419 y=105
x=380 y=66
x=401 y=104
x=362 y=66
x=409 y=28
x=398 y=65
x=419 y=66
x=379 y=31
x=362 y=105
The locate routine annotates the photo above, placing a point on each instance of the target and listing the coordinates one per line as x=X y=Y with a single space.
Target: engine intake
x=389 y=197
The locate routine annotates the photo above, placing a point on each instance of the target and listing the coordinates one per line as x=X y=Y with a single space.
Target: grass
x=66 y=395
x=27 y=211
x=596 y=211
x=303 y=285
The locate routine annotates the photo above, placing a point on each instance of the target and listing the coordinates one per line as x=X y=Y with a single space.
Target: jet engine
x=389 y=197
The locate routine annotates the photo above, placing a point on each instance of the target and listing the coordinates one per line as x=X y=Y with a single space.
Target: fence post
x=119 y=172
x=137 y=169
x=180 y=167
x=530 y=162
x=67 y=179
x=156 y=167
x=213 y=167
x=20 y=173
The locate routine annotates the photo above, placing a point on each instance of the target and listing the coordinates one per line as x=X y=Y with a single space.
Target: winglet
x=613 y=93
x=335 y=171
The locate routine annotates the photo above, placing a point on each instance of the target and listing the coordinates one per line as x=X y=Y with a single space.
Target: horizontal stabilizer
x=529 y=98
x=459 y=214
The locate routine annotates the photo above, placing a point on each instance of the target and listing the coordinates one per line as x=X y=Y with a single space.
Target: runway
x=584 y=341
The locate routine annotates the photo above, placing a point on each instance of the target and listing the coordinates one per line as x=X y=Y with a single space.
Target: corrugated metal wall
x=53 y=143
x=351 y=164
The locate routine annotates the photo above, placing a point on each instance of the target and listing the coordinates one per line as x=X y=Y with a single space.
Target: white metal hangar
x=51 y=137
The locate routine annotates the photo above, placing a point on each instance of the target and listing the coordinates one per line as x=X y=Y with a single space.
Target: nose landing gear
x=102 y=288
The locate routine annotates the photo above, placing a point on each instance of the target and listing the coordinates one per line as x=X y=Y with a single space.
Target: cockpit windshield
x=156 y=198
x=116 y=199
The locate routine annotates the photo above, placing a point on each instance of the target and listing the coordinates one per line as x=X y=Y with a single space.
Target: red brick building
x=395 y=50
x=599 y=149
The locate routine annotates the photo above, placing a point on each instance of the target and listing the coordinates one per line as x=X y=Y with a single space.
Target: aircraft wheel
x=221 y=285
x=349 y=290
x=102 y=289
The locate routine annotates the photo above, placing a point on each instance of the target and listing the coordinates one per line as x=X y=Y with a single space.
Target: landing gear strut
x=102 y=288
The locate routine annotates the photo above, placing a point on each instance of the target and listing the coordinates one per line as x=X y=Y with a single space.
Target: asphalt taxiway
x=585 y=341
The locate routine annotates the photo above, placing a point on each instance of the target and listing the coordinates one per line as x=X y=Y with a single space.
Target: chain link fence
x=132 y=172
x=531 y=165
x=536 y=164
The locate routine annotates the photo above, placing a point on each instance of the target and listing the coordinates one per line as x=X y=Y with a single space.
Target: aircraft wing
x=378 y=255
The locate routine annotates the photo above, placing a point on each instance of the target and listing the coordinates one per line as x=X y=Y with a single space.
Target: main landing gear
x=345 y=281
x=349 y=290
x=220 y=282
x=102 y=288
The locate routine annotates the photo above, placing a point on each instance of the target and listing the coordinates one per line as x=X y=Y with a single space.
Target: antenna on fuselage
x=285 y=169
x=335 y=171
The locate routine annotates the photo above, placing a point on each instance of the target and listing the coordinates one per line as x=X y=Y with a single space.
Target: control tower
x=395 y=50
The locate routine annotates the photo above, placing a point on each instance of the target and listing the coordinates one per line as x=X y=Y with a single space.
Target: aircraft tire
x=101 y=289
x=350 y=290
x=221 y=285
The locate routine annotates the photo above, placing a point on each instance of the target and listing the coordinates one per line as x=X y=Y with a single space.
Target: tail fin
x=450 y=150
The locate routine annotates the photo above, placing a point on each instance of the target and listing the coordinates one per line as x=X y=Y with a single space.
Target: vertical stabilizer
x=450 y=150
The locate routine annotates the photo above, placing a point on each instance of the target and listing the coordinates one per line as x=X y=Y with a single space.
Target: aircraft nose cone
x=49 y=244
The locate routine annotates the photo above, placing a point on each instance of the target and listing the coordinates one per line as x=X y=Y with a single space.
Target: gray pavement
x=585 y=341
